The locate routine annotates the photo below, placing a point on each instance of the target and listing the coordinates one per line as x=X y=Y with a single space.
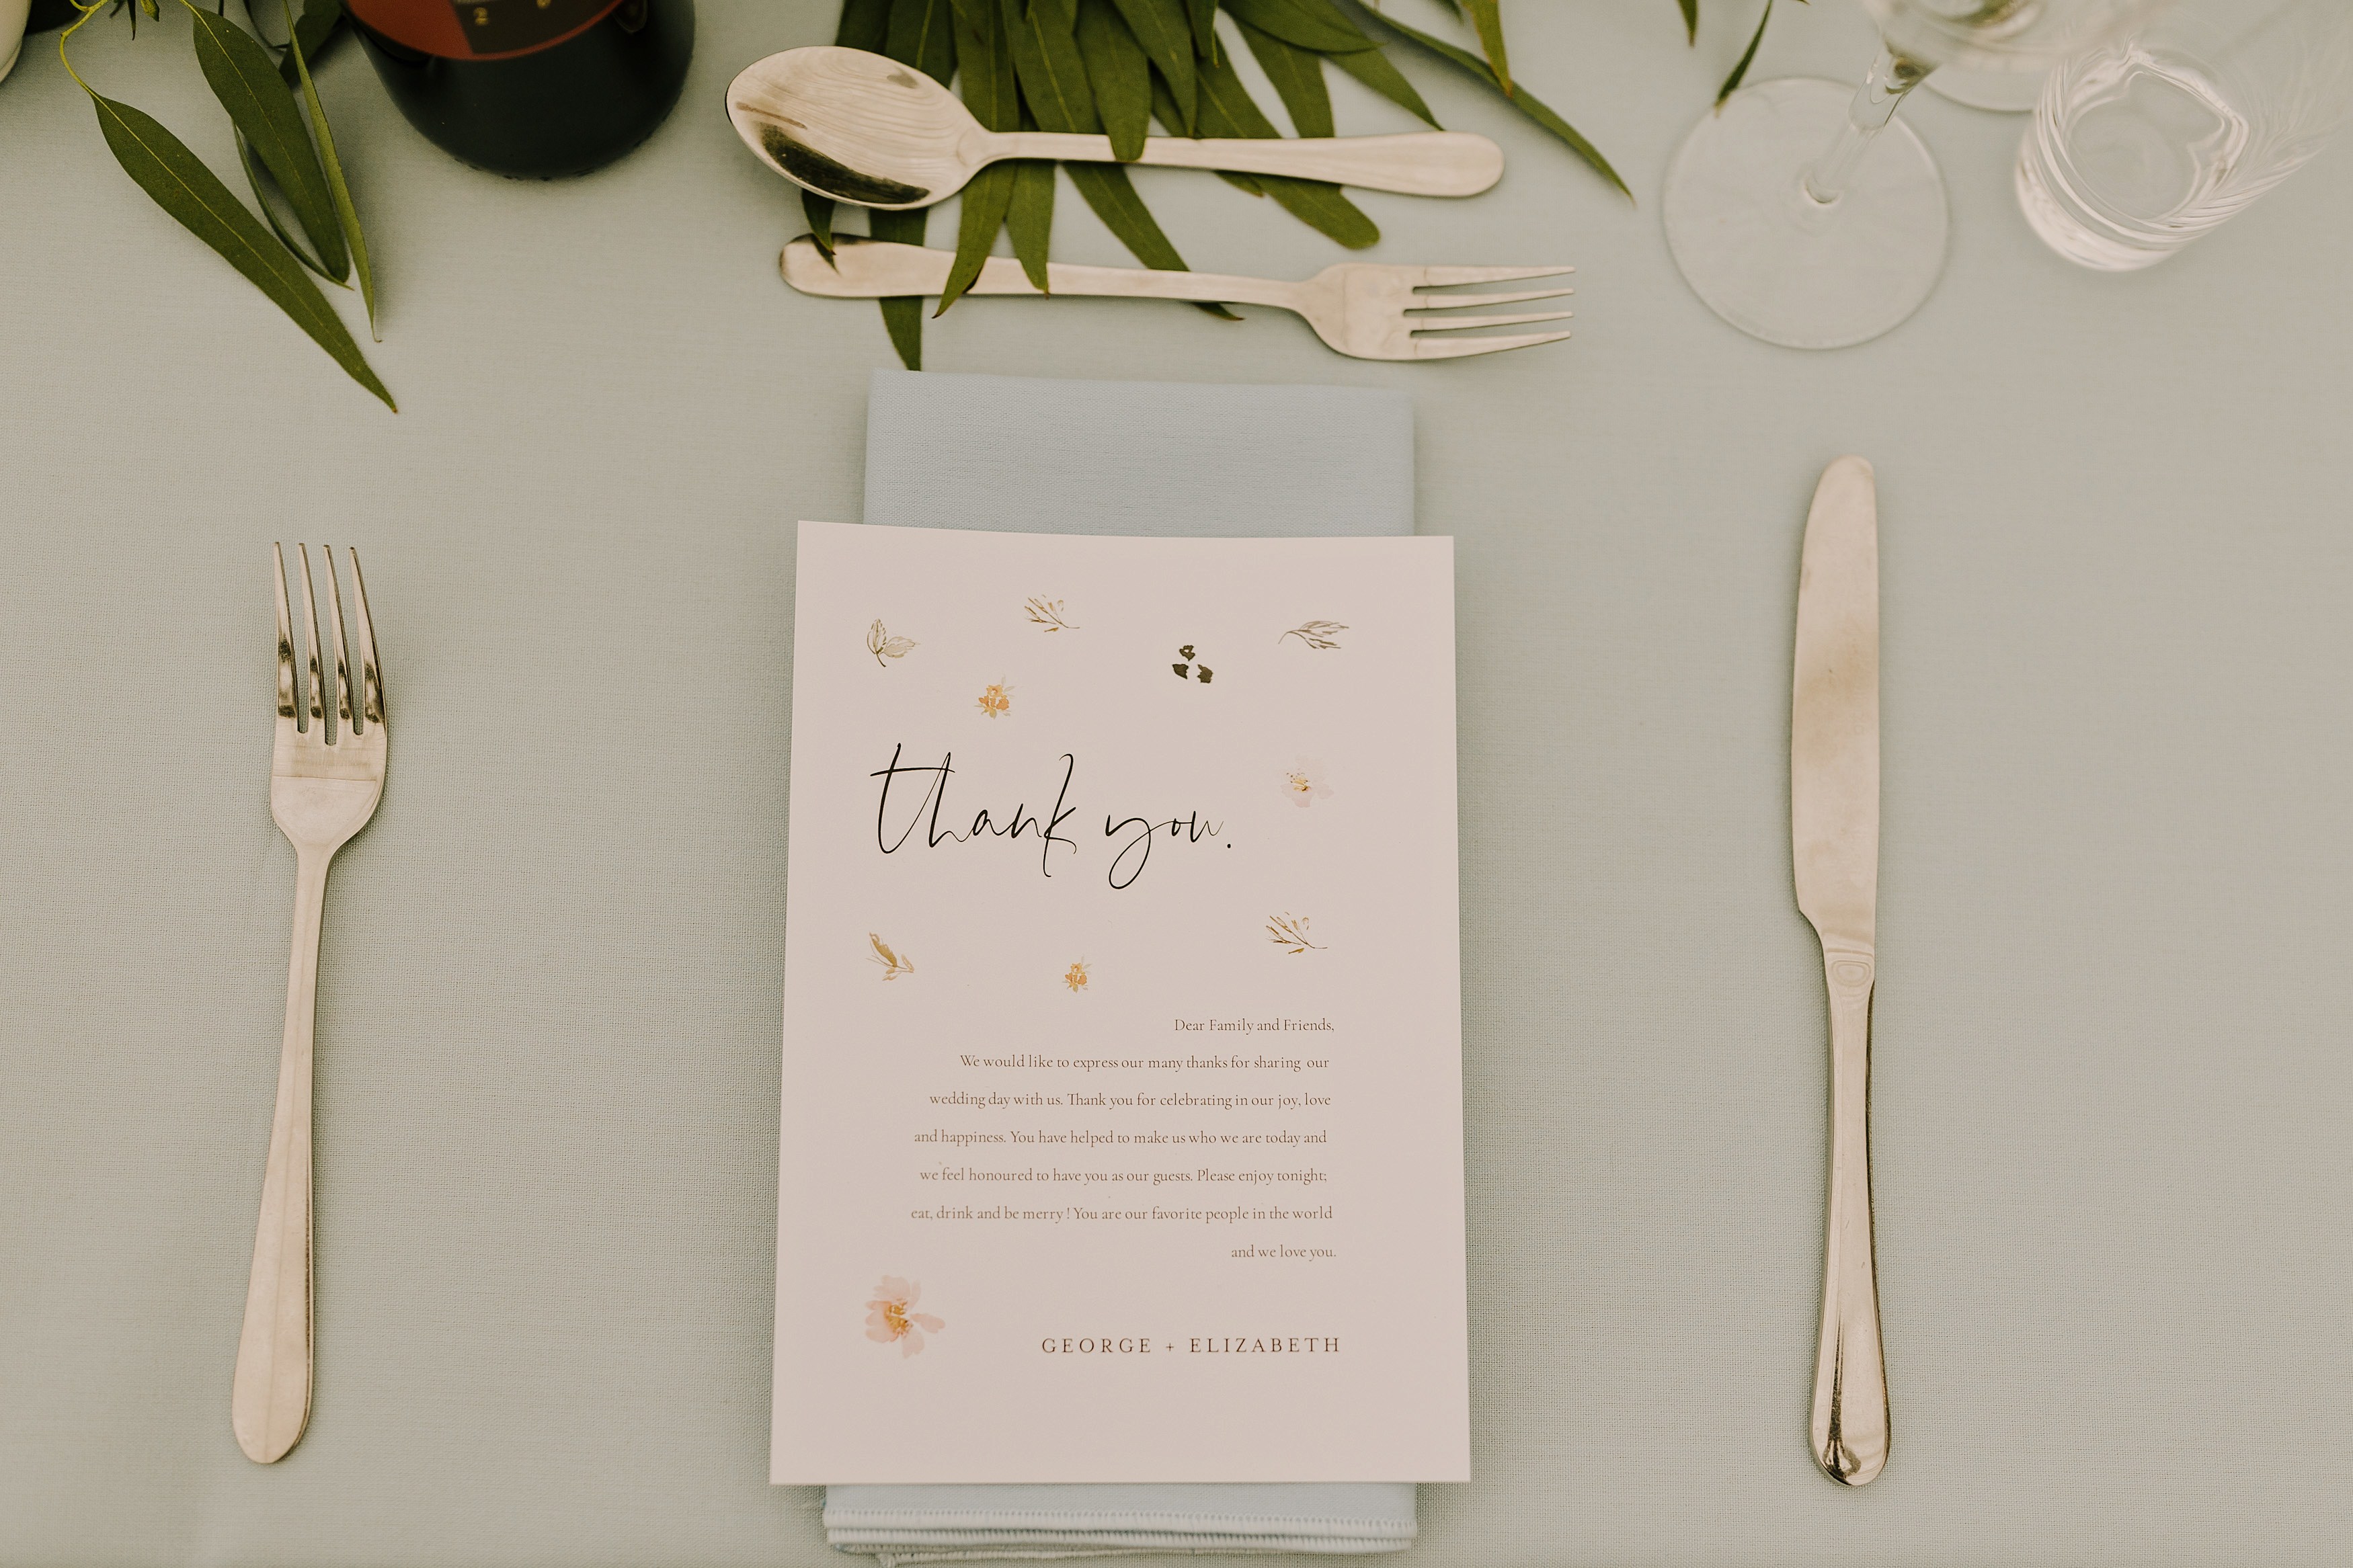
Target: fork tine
x=1441 y=277
x=1464 y=323
x=1464 y=301
x=342 y=647
x=285 y=708
x=310 y=641
x=1458 y=348
x=371 y=681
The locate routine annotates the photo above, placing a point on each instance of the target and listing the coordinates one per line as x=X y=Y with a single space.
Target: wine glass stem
x=1892 y=76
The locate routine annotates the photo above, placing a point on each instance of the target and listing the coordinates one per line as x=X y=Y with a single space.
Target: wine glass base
x=2003 y=92
x=1780 y=265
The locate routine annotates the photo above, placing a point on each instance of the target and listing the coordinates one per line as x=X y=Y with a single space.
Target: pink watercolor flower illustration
x=1304 y=783
x=890 y=1316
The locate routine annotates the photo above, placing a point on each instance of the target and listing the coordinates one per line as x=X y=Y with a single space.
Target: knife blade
x=1834 y=848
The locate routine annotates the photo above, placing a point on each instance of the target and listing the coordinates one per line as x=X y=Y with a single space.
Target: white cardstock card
x=1122 y=1110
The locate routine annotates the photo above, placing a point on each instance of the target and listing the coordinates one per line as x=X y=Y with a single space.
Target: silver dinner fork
x=324 y=788
x=1359 y=308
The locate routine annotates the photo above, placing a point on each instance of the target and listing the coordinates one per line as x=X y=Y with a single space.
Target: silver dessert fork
x=1359 y=308
x=323 y=789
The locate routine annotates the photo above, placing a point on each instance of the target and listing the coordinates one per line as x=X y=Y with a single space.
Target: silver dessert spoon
x=861 y=128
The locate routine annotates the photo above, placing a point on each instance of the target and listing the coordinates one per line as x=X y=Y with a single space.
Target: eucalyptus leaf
x=1046 y=58
x=1227 y=110
x=1298 y=78
x=245 y=79
x=903 y=314
x=922 y=34
x=1691 y=20
x=1731 y=83
x=1487 y=21
x=1120 y=74
x=1311 y=23
x=1179 y=120
x=347 y=214
x=1526 y=102
x=865 y=25
x=1203 y=15
x=322 y=24
x=1166 y=32
x=180 y=183
x=256 y=178
x=1376 y=70
x=816 y=211
x=1108 y=190
x=986 y=200
x=1030 y=217
x=984 y=65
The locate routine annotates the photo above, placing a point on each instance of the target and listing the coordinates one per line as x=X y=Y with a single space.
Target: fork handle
x=1850 y=1424
x=269 y=1402
x=873 y=270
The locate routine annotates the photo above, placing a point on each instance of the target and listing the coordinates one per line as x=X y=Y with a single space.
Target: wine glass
x=1784 y=226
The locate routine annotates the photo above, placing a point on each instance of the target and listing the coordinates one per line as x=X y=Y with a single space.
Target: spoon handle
x=1419 y=164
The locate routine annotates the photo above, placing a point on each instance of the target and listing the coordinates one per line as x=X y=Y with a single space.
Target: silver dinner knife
x=1834 y=843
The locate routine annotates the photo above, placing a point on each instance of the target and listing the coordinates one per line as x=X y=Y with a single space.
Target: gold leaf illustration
x=1048 y=614
x=893 y=964
x=1317 y=635
x=1290 y=933
x=883 y=645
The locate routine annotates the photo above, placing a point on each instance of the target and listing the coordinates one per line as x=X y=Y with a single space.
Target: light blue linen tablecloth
x=1080 y=457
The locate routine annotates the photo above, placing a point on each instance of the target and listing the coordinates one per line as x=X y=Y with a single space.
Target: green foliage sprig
x=1111 y=68
x=283 y=142
x=1747 y=55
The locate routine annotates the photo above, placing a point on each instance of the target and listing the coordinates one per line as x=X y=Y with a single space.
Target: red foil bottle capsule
x=534 y=88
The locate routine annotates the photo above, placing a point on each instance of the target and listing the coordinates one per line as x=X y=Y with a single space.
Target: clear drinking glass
x=2139 y=148
x=1783 y=226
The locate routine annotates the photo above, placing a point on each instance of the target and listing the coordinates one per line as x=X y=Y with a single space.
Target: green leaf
x=1311 y=23
x=985 y=201
x=1298 y=78
x=1030 y=217
x=1487 y=21
x=345 y=212
x=922 y=34
x=245 y=79
x=984 y=62
x=1376 y=70
x=1046 y=58
x=817 y=211
x=1166 y=35
x=1108 y=190
x=1226 y=109
x=865 y=25
x=257 y=180
x=1526 y=102
x=193 y=195
x=321 y=26
x=1691 y=20
x=1120 y=74
x=1731 y=83
x=1204 y=16
x=903 y=314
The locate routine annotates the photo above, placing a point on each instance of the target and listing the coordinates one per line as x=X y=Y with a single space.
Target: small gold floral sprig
x=1048 y=614
x=883 y=645
x=996 y=697
x=1076 y=977
x=894 y=965
x=892 y=1318
x=1317 y=635
x=1289 y=933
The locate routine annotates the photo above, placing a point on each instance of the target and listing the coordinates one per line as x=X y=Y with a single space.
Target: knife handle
x=1850 y=1427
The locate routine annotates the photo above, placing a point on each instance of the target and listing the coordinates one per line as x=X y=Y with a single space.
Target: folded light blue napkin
x=1137 y=458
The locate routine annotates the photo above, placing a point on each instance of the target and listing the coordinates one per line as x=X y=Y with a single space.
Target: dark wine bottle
x=534 y=89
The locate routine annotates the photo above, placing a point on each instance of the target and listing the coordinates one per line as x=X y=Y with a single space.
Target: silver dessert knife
x=1356 y=307
x=1834 y=843
x=322 y=790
